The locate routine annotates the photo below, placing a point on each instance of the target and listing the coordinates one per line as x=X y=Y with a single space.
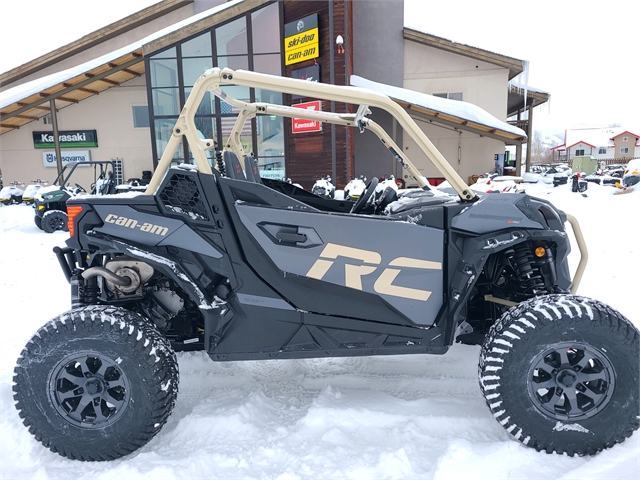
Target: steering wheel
x=364 y=198
x=80 y=188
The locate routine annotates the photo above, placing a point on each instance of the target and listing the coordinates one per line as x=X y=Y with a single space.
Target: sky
x=584 y=53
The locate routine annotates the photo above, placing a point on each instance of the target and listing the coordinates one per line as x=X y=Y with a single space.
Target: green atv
x=50 y=203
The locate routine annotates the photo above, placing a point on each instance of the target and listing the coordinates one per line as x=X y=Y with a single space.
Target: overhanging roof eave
x=481 y=130
x=514 y=65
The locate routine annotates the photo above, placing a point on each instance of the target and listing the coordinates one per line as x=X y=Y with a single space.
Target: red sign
x=302 y=125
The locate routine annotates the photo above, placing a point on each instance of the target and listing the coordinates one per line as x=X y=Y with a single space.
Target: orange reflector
x=540 y=252
x=72 y=213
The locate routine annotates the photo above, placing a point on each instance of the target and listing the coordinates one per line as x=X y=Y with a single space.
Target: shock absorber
x=528 y=275
x=219 y=161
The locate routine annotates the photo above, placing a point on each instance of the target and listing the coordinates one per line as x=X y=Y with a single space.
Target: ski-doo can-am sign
x=301 y=40
x=68 y=156
x=302 y=125
x=68 y=139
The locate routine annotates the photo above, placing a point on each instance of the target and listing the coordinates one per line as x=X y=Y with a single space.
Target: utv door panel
x=355 y=253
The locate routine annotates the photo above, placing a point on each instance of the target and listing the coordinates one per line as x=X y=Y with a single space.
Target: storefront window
x=163 y=131
x=173 y=72
x=164 y=73
x=266 y=30
x=231 y=39
x=165 y=101
x=197 y=47
x=240 y=62
x=192 y=68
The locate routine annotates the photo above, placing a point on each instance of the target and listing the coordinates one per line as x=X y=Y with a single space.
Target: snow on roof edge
x=463 y=110
x=25 y=90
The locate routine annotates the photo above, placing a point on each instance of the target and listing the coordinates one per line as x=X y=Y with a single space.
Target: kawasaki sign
x=68 y=139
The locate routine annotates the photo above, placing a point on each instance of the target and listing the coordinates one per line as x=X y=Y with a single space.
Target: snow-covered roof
x=453 y=110
x=25 y=90
x=594 y=137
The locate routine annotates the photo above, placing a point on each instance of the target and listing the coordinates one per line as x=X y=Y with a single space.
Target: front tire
x=560 y=374
x=38 y=221
x=54 y=220
x=96 y=383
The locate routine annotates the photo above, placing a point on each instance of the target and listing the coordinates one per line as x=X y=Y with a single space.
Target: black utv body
x=222 y=261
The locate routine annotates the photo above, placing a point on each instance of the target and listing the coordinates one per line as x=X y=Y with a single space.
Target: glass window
x=164 y=130
x=602 y=151
x=265 y=29
x=239 y=93
x=231 y=39
x=270 y=136
x=579 y=153
x=455 y=96
x=164 y=73
x=198 y=47
x=207 y=104
x=624 y=150
x=235 y=63
x=166 y=101
x=206 y=129
x=169 y=53
x=267 y=64
x=140 y=116
x=268 y=96
x=192 y=68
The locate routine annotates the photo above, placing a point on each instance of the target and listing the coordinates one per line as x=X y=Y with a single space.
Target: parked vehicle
x=31 y=190
x=355 y=188
x=12 y=193
x=50 y=203
x=631 y=174
x=324 y=188
x=223 y=261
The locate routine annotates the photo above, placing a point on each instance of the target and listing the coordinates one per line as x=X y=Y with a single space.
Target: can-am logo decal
x=384 y=284
x=132 y=223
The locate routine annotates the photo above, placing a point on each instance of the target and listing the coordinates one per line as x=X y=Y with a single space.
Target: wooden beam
x=4 y=125
x=90 y=78
x=39 y=107
x=82 y=89
x=27 y=117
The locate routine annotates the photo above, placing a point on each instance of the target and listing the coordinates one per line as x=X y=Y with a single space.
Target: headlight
x=48 y=197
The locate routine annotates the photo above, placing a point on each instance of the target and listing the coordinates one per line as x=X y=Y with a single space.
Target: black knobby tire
x=560 y=374
x=38 y=221
x=96 y=383
x=54 y=220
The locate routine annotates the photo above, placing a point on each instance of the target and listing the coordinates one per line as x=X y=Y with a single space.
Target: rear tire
x=54 y=220
x=560 y=374
x=96 y=383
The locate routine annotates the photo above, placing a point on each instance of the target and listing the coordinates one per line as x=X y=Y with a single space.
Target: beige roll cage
x=214 y=78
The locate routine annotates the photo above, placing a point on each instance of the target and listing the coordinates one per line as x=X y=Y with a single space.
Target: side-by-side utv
x=220 y=260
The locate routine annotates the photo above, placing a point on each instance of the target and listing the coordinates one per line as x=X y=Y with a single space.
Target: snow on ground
x=404 y=417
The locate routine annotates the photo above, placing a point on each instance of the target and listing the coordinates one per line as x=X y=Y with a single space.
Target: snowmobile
x=12 y=194
x=50 y=203
x=324 y=188
x=32 y=189
x=355 y=188
x=220 y=260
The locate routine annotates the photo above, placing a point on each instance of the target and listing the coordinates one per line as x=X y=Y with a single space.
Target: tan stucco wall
x=110 y=113
x=430 y=70
x=476 y=153
x=630 y=144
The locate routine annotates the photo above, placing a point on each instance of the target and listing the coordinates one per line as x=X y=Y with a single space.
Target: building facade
x=127 y=83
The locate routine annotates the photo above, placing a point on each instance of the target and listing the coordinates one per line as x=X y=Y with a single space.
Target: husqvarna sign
x=301 y=40
x=68 y=156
